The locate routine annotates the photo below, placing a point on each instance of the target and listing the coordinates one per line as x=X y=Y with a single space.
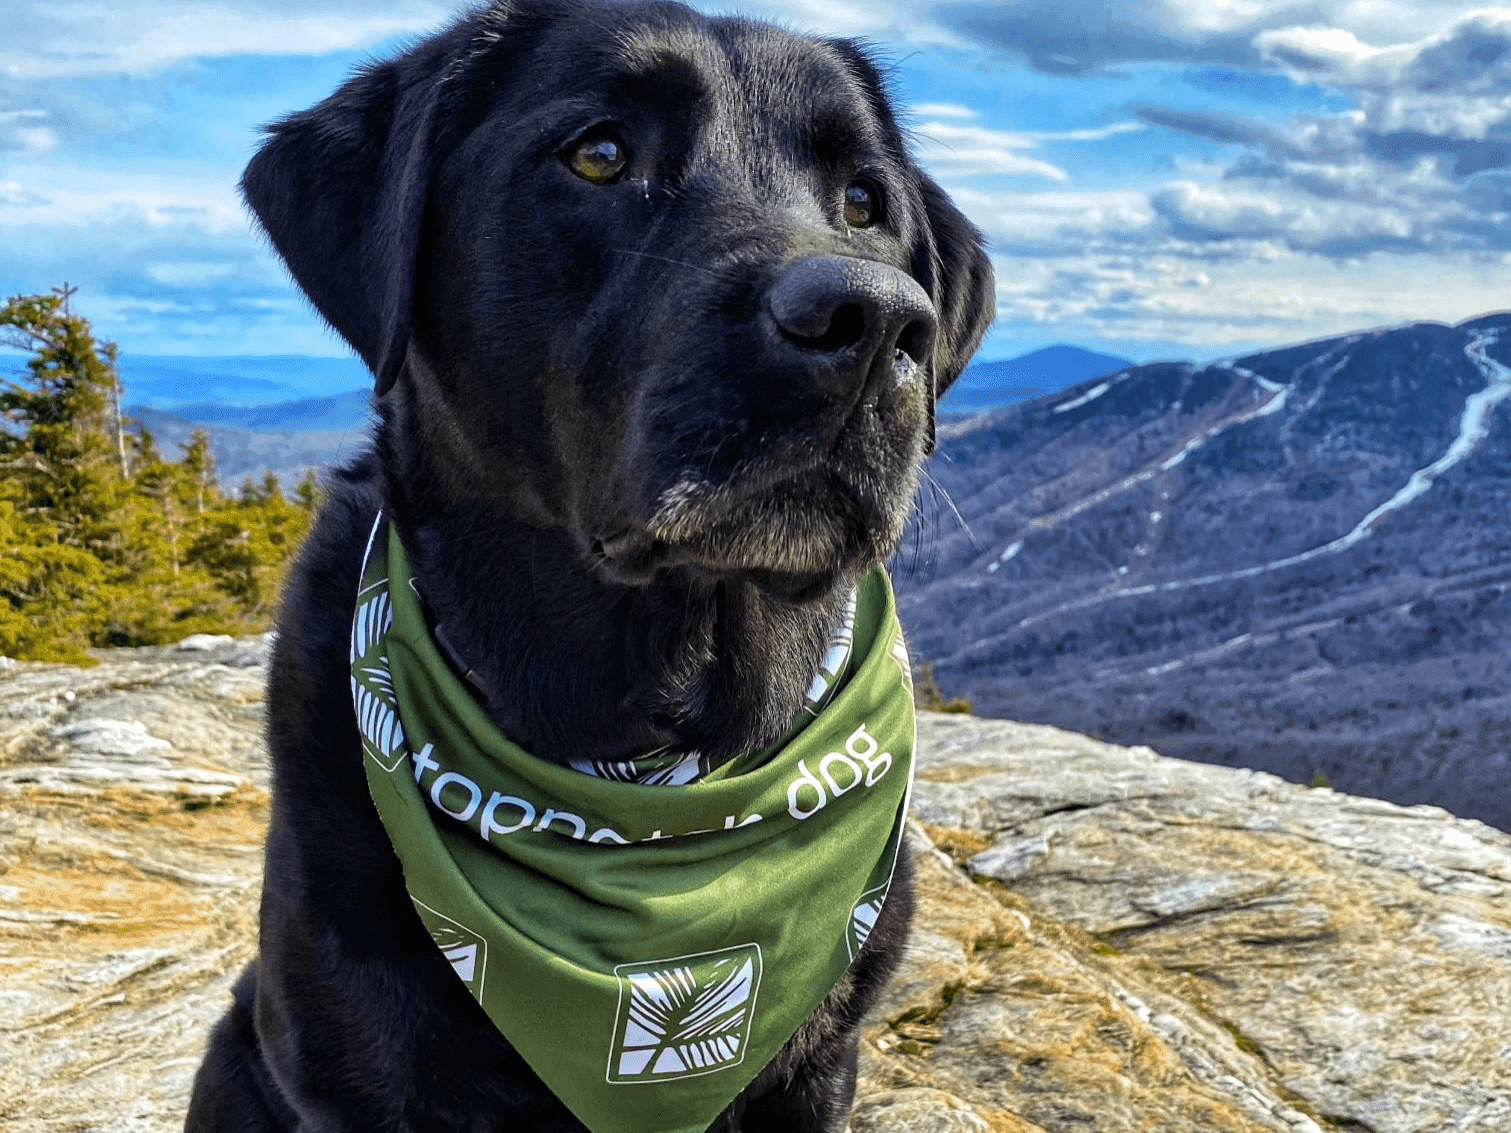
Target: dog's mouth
x=634 y=557
x=788 y=500
x=790 y=532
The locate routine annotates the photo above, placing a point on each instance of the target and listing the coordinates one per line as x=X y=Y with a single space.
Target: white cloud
x=16 y=195
x=1439 y=94
x=1057 y=223
x=1414 y=171
x=1237 y=269
x=47 y=39
x=943 y=110
x=1268 y=298
x=165 y=261
x=1330 y=54
x=1098 y=134
x=189 y=273
x=950 y=148
x=953 y=149
x=880 y=21
x=26 y=130
x=77 y=196
x=163 y=282
x=1466 y=54
x=44 y=39
x=1076 y=36
x=1342 y=225
x=1392 y=210
x=1094 y=31
x=1419 y=163
x=1338 y=213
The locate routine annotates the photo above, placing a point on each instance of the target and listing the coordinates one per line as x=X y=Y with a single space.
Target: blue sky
x=1158 y=178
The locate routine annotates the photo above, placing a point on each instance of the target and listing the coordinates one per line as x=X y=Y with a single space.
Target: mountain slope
x=1299 y=561
x=350 y=410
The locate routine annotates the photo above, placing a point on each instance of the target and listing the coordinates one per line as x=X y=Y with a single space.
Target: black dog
x=658 y=306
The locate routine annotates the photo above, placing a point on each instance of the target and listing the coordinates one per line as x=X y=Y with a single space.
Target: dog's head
x=669 y=284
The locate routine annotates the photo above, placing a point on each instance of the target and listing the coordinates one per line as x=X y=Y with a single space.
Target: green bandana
x=647 y=949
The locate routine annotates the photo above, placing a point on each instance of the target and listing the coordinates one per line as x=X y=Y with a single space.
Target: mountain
x=298 y=393
x=987 y=386
x=242 y=453
x=167 y=381
x=350 y=410
x=289 y=413
x=1298 y=561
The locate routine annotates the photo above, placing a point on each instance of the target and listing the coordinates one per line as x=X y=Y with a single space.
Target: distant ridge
x=988 y=386
x=349 y=410
x=249 y=453
x=167 y=381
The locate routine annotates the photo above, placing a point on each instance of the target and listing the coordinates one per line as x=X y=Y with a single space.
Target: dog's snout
x=851 y=313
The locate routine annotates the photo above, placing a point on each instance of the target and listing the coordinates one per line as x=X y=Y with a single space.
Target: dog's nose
x=852 y=313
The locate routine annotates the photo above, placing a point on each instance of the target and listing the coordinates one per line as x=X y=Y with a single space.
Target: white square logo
x=684 y=1016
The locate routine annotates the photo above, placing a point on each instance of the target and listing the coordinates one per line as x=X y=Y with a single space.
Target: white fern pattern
x=863 y=920
x=863 y=916
x=835 y=659
x=376 y=718
x=372 y=685
x=687 y=1019
x=370 y=624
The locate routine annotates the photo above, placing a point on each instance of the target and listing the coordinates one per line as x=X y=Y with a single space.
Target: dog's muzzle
x=811 y=467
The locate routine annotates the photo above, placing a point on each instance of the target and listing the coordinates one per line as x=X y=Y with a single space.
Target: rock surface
x=1107 y=940
x=132 y=808
x=1150 y=944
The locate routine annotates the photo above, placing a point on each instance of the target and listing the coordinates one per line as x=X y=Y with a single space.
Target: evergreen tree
x=105 y=542
x=56 y=479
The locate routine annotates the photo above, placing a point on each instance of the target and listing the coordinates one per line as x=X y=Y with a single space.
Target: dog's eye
x=862 y=204
x=598 y=158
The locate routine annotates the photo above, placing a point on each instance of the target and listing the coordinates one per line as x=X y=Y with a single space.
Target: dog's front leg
x=815 y=1097
x=233 y=1090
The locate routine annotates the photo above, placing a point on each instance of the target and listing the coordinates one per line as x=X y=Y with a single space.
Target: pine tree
x=102 y=540
x=56 y=477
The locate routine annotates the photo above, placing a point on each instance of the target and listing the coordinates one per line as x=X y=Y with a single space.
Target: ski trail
x=1474 y=425
x=1102 y=495
x=1090 y=395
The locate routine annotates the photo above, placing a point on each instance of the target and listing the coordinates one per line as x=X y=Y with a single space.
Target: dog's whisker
x=666 y=260
x=921 y=531
x=939 y=492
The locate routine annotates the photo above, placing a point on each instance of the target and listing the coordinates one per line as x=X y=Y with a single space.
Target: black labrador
x=658 y=306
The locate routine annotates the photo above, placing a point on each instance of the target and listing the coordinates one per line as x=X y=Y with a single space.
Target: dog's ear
x=340 y=189
x=965 y=295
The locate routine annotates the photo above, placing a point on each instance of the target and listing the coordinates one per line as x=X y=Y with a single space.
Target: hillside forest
x=105 y=540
